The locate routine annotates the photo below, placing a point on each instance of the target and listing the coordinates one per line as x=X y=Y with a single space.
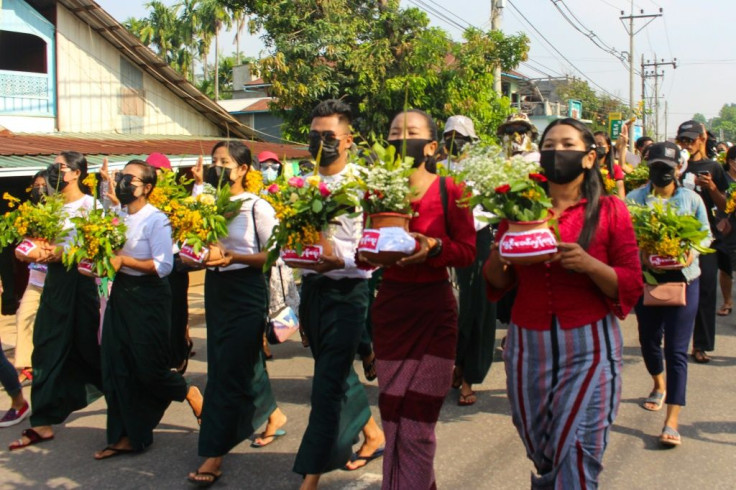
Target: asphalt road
x=478 y=447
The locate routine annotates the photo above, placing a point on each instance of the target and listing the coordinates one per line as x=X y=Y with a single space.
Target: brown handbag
x=665 y=294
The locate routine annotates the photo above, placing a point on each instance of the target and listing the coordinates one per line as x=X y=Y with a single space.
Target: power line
x=439 y=15
x=451 y=13
x=562 y=55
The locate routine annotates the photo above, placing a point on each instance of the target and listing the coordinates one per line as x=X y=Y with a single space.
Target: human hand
x=573 y=257
x=705 y=181
x=224 y=257
x=325 y=263
x=420 y=256
x=117 y=262
x=198 y=171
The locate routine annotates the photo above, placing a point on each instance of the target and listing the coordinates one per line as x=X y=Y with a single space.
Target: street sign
x=615 y=121
x=574 y=109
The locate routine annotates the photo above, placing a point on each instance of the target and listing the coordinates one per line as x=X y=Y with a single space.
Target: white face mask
x=269 y=175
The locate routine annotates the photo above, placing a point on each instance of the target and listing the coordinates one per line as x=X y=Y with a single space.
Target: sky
x=698 y=34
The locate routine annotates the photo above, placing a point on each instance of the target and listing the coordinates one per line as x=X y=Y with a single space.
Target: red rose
x=503 y=189
x=538 y=177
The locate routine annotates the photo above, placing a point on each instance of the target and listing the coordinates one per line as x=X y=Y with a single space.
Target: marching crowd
x=416 y=333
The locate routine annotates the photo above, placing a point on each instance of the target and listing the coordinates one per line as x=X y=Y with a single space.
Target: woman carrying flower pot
x=563 y=349
x=415 y=313
x=673 y=323
x=66 y=355
x=139 y=384
x=238 y=396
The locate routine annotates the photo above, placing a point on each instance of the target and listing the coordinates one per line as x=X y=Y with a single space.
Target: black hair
x=239 y=152
x=76 y=161
x=333 y=107
x=431 y=163
x=41 y=174
x=592 y=188
x=640 y=142
x=710 y=145
x=730 y=155
x=608 y=159
x=149 y=175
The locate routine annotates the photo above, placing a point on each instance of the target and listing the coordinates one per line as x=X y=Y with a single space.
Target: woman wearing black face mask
x=605 y=153
x=415 y=313
x=563 y=350
x=66 y=356
x=139 y=385
x=238 y=396
x=673 y=323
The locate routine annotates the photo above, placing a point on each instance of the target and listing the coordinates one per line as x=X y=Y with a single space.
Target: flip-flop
x=204 y=483
x=116 y=452
x=354 y=457
x=275 y=435
x=656 y=398
x=725 y=310
x=669 y=431
x=33 y=438
x=466 y=400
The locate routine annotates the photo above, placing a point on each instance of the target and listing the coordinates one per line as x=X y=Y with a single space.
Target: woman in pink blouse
x=563 y=350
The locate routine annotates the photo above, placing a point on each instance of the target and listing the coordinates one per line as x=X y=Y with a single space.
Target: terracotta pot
x=663 y=262
x=385 y=220
x=29 y=249
x=527 y=243
x=193 y=259
x=310 y=253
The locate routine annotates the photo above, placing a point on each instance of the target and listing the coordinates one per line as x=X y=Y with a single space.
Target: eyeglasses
x=269 y=165
x=685 y=140
x=515 y=129
x=325 y=136
x=120 y=176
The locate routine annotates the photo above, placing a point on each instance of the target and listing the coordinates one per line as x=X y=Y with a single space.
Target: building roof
x=116 y=34
x=24 y=154
x=256 y=104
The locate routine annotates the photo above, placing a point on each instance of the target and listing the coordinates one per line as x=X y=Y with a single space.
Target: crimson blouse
x=458 y=243
x=547 y=289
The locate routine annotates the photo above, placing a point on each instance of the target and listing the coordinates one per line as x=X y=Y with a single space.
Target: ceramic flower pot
x=29 y=249
x=386 y=239
x=197 y=259
x=310 y=253
x=86 y=267
x=664 y=262
x=527 y=243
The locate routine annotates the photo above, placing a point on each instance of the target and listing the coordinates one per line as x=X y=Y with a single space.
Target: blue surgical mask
x=269 y=174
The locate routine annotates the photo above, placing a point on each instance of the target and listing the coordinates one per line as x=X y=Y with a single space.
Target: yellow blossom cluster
x=731 y=203
x=608 y=181
x=532 y=194
x=283 y=211
x=665 y=246
x=253 y=182
x=308 y=235
x=184 y=221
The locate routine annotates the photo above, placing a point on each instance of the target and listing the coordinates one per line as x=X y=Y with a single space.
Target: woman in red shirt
x=606 y=160
x=415 y=313
x=563 y=349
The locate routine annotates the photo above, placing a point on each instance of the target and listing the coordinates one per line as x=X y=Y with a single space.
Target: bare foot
x=196 y=401
x=371 y=444
x=275 y=422
x=310 y=482
x=122 y=446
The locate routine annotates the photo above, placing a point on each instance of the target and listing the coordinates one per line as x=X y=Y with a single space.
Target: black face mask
x=661 y=176
x=37 y=194
x=414 y=149
x=55 y=177
x=600 y=152
x=125 y=190
x=217 y=176
x=330 y=149
x=455 y=146
x=562 y=166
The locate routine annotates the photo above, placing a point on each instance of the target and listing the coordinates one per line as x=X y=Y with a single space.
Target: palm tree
x=190 y=26
x=163 y=22
x=214 y=17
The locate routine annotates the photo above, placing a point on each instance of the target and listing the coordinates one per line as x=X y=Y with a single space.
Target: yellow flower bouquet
x=731 y=199
x=608 y=182
x=305 y=207
x=98 y=236
x=35 y=226
x=199 y=221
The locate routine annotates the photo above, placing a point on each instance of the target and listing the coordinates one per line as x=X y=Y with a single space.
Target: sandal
x=725 y=310
x=670 y=437
x=33 y=438
x=114 y=451
x=655 y=398
x=274 y=436
x=25 y=377
x=208 y=481
x=467 y=400
x=354 y=457
x=700 y=356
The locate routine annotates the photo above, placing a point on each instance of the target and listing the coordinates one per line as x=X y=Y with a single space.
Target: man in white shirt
x=333 y=310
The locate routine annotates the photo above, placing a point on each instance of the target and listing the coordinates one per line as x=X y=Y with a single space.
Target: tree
x=375 y=56
x=595 y=107
x=725 y=122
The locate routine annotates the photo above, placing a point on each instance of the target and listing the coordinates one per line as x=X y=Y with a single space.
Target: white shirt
x=241 y=236
x=148 y=237
x=72 y=210
x=345 y=235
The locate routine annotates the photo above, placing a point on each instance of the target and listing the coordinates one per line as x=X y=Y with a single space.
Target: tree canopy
x=375 y=55
x=725 y=122
x=595 y=107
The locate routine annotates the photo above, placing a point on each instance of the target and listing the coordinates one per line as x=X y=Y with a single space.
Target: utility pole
x=632 y=32
x=643 y=99
x=496 y=7
x=665 y=118
x=656 y=74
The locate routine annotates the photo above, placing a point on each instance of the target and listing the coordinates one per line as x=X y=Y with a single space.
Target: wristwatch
x=436 y=250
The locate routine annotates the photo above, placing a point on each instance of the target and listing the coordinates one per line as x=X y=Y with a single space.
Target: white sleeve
x=159 y=236
x=197 y=189
x=265 y=220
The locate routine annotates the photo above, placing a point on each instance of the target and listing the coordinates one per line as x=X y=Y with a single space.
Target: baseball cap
x=462 y=125
x=690 y=129
x=667 y=153
x=268 y=155
x=518 y=119
x=158 y=160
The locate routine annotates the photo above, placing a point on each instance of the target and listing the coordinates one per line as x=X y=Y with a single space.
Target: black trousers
x=704 y=335
x=179 y=283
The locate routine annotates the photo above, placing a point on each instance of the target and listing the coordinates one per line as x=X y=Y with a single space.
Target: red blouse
x=458 y=246
x=547 y=289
